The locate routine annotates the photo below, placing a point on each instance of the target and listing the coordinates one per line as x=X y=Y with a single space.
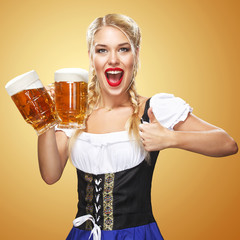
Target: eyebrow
x=103 y=45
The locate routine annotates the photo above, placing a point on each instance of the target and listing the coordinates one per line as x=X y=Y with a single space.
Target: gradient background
x=189 y=48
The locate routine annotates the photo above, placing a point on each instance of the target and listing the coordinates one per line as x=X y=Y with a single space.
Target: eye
x=124 y=49
x=101 y=50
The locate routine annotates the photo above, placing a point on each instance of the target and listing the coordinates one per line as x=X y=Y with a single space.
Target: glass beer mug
x=33 y=101
x=71 y=89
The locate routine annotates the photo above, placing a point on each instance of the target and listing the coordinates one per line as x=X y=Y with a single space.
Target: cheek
x=130 y=62
x=130 y=66
x=97 y=64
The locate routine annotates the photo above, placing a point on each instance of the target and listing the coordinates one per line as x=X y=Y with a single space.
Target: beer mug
x=71 y=89
x=33 y=101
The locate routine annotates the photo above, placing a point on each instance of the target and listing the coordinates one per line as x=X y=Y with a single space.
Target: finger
x=151 y=116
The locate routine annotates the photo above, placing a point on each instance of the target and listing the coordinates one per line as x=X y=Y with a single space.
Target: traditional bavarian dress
x=114 y=179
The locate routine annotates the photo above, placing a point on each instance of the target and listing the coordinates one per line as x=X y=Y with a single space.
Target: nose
x=113 y=58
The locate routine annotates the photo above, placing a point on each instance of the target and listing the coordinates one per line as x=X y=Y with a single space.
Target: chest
x=105 y=121
x=106 y=153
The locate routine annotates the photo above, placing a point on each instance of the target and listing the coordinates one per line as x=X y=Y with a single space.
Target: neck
x=111 y=102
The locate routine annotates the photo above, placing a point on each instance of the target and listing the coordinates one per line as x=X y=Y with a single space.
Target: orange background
x=190 y=48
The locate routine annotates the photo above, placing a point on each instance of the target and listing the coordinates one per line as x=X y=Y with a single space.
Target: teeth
x=114 y=72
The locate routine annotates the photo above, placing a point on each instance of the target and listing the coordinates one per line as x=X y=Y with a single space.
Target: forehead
x=110 y=35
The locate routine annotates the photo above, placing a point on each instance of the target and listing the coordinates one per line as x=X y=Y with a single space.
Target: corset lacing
x=96 y=231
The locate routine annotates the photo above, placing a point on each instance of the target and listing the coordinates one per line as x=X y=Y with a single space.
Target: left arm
x=198 y=136
x=193 y=134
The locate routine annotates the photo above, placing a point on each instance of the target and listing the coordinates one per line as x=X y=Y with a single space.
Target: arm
x=52 y=155
x=201 y=137
x=193 y=134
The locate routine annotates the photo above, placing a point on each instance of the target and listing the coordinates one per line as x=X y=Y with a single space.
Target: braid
x=134 y=98
x=93 y=94
x=134 y=121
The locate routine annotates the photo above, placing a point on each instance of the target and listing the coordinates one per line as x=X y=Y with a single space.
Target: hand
x=154 y=136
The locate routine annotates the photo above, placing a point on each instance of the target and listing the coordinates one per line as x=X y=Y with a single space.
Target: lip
x=114 y=84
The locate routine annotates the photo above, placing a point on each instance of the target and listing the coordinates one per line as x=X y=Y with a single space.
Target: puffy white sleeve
x=169 y=110
x=68 y=132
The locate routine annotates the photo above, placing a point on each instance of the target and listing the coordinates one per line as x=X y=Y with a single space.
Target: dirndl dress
x=114 y=181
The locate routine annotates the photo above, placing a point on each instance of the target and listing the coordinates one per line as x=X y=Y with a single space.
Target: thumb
x=151 y=116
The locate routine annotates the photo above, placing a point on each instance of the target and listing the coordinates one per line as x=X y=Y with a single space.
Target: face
x=112 y=60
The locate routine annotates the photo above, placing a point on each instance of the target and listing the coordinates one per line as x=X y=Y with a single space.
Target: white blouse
x=114 y=152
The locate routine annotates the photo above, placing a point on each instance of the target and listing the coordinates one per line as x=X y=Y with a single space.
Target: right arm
x=52 y=155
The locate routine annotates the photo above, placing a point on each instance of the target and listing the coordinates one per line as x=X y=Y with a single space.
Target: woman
x=115 y=155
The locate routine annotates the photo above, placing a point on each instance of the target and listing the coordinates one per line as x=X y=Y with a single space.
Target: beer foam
x=29 y=80
x=71 y=75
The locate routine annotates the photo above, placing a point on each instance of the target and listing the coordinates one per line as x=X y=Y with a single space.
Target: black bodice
x=118 y=200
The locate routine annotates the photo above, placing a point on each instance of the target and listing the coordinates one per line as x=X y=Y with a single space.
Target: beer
x=33 y=101
x=71 y=96
x=37 y=108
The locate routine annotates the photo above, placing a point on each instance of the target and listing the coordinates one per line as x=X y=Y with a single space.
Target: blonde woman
x=115 y=155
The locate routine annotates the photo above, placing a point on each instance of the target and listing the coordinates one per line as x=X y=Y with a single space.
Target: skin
x=193 y=134
x=112 y=49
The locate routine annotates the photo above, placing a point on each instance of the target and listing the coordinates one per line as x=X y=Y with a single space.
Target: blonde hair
x=131 y=30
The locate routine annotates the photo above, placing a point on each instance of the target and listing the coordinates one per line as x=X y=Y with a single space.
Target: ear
x=137 y=53
x=89 y=55
x=90 y=59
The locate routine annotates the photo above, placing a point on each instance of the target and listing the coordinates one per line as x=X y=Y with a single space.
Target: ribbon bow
x=96 y=231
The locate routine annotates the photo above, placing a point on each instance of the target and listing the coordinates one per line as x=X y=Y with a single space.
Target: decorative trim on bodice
x=108 y=201
x=116 y=200
x=89 y=198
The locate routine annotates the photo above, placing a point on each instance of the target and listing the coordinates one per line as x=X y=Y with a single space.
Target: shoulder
x=142 y=103
x=169 y=109
x=142 y=99
x=165 y=98
x=166 y=101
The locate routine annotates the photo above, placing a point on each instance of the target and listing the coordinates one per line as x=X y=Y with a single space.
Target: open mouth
x=114 y=76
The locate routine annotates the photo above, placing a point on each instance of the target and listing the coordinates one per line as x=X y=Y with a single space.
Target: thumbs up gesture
x=154 y=136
